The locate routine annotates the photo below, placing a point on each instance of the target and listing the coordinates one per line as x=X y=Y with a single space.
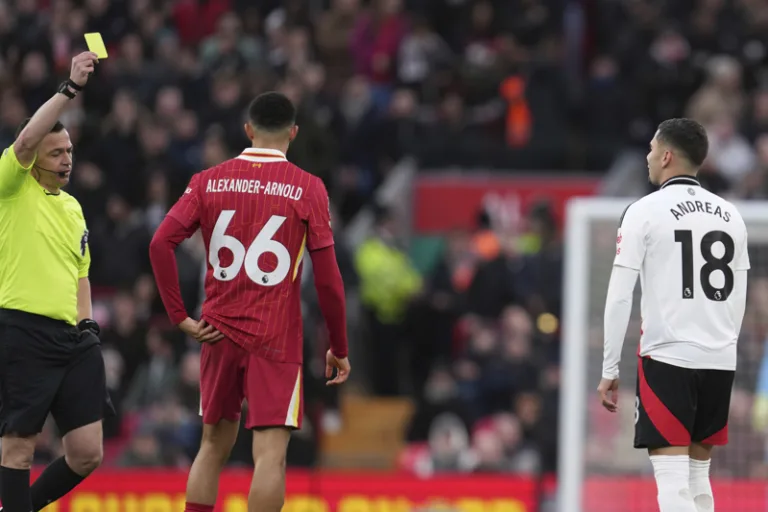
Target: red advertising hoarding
x=639 y=495
x=152 y=490
x=441 y=203
x=163 y=491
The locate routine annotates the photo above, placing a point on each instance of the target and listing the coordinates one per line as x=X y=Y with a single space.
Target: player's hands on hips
x=82 y=66
x=208 y=333
x=201 y=330
x=342 y=369
x=609 y=393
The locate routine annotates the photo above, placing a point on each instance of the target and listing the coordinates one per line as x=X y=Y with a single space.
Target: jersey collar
x=45 y=190
x=681 y=180
x=262 y=155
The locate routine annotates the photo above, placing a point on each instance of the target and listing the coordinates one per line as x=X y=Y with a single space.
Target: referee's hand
x=82 y=67
x=200 y=330
x=609 y=394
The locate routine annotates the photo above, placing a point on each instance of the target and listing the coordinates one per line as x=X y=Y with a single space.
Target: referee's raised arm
x=47 y=116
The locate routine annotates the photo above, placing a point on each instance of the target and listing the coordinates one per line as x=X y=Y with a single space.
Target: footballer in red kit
x=258 y=214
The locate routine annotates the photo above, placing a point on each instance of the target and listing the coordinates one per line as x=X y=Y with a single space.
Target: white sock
x=701 y=489
x=672 y=473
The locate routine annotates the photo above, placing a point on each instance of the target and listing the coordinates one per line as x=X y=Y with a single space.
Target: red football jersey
x=257 y=213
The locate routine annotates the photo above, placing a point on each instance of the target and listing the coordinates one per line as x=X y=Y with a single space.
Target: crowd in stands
x=507 y=84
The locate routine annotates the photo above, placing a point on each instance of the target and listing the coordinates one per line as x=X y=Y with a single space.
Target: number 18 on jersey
x=689 y=245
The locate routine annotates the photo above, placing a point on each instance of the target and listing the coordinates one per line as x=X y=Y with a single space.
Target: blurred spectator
x=440 y=396
x=443 y=304
x=157 y=201
x=333 y=37
x=375 y=42
x=119 y=242
x=730 y=151
x=605 y=109
x=497 y=280
x=501 y=446
x=143 y=451
x=448 y=445
x=424 y=58
x=127 y=335
x=542 y=264
x=756 y=122
x=230 y=50
x=114 y=368
x=188 y=381
x=155 y=379
x=12 y=113
x=388 y=284
x=721 y=96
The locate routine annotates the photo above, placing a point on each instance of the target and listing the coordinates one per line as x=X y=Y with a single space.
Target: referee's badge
x=83 y=243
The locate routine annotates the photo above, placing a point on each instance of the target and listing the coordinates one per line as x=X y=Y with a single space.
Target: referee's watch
x=89 y=325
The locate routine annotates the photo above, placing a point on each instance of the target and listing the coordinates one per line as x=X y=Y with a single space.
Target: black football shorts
x=48 y=366
x=676 y=406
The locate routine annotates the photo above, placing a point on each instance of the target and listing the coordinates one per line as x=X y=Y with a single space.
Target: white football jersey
x=687 y=243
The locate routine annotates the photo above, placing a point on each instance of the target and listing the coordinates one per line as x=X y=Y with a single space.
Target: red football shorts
x=229 y=374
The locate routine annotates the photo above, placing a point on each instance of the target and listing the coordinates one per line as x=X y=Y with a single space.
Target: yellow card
x=96 y=44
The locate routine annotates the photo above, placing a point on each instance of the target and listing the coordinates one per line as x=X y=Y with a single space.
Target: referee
x=50 y=355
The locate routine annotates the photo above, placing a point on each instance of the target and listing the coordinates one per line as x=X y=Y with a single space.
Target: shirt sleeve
x=631 y=239
x=741 y=262
x=85 y=262
x=162 y=255
x=320 y=233
x=739 y=298
x=12 y=173
x=618 y=309
x=330 y=295
x=187 y=209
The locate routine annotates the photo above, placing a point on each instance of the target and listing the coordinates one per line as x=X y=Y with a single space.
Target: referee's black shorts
x=48 y=366
x=676 y=406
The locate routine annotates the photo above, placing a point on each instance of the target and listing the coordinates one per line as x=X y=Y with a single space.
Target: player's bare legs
x=84 y=448
x=267 y=492
x=17 y=455
x=701 y=489
x=670 y=467
x=18 y=451
x=203 y=480
x=83 y=453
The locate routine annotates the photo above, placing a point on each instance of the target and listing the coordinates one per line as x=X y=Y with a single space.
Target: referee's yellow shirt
x=43 y=245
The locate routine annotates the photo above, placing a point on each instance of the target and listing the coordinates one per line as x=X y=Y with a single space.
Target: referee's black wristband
x=73 y=85
x=69 y=88
x=89 y=325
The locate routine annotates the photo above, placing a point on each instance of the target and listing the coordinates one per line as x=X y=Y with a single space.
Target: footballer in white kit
x=689 y=247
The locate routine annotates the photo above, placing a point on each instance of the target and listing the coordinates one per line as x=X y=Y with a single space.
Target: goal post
x=594 y=446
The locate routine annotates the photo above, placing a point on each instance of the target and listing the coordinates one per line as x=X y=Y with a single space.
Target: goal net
x=599 y=470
